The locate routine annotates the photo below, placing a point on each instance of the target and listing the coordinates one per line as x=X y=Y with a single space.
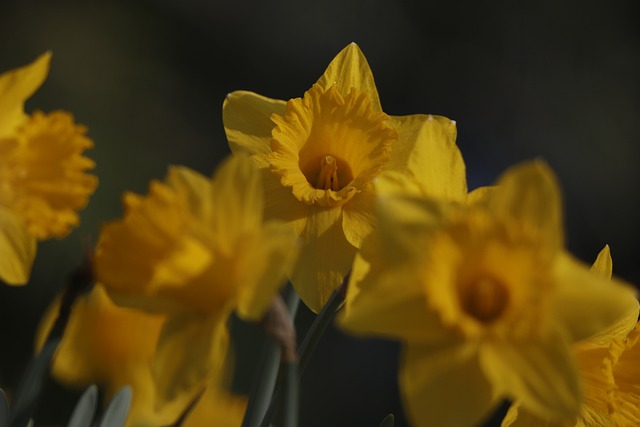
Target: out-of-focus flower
x=43 y=179
x=485 y=297
x=319 y=155
x=608 y=366
x=114 y=346
x=195 y=249
x=107 y=345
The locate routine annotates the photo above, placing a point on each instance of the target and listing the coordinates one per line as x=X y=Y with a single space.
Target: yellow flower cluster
x=478 y=287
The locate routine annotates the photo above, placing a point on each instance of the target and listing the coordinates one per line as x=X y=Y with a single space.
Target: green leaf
x=29 y=389
x=388 y=421
x=118 y=409
x=85 y=409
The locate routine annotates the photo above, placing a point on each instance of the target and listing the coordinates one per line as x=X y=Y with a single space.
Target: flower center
x=328 y=176
x=43 y=173
x=484 y=300
x=328 y=146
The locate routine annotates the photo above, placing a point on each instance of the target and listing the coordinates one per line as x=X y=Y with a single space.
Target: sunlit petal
x=350 y=69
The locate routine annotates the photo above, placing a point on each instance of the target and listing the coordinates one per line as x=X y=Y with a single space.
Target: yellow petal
x=103 y=343
x=265 y=265
x=480 y=195
x=587 y=303
x=539 y=372
x=237 y=188
x=247 y=121
x=444 y=386
x=530 y=194
x=389 y=302
x=427 y=150
x=16 y=86
x=404 y=222
x=325 y=258
x=359 y=216
x=281 y=204
x=178 y=372
x=216 y=407
x=18 y=249
x=603 y=264
x=195 y=187
x=350 y=69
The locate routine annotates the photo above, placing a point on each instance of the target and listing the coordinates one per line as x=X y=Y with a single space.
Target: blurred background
x=530 y=79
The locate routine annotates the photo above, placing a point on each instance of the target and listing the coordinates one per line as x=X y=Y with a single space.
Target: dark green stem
x=310 y=341
x=291 y=382
x=267 y=373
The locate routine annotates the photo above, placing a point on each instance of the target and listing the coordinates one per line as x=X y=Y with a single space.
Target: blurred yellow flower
x=43 y=179
x=608 y=367
x=485 y=298
x=195 y=249
x=110 y=346
x=319 y=155
x=114 y=346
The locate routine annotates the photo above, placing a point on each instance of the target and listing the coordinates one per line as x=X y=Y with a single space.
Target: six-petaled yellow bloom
x=43 y=179
x=608 y=366
x=195 y=249
x=485 y=298
x=320 y=154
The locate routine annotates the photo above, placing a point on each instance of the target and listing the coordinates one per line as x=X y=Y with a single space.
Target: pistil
x=328 y=176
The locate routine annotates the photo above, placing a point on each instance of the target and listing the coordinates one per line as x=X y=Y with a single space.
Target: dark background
x=558 y=80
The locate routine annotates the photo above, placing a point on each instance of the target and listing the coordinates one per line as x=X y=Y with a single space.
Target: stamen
x=328 y=176
x=485 y=300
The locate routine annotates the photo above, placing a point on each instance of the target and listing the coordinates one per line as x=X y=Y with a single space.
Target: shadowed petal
x=18 y=249
x=325 y=258
x=541 y=374
x=267 y=261
x=444 y=386
x=390 y=303
x=359 y=217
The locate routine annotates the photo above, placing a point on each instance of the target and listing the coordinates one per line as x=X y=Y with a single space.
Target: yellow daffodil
x=320 y=154
x=485 y=298
x=195 y=248
x=111 y=346
x=43 y=180
x=608 y=366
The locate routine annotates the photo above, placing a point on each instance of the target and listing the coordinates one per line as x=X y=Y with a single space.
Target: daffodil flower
x=608 y=367
x=485 y=298
x=320 y=154
x=111 y=346
x=43 y=179
x=195 y=249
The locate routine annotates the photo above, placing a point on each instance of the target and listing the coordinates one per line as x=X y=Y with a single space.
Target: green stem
x=291 y=382
x=310 y=342
x=320 y=324
x=267 y=373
